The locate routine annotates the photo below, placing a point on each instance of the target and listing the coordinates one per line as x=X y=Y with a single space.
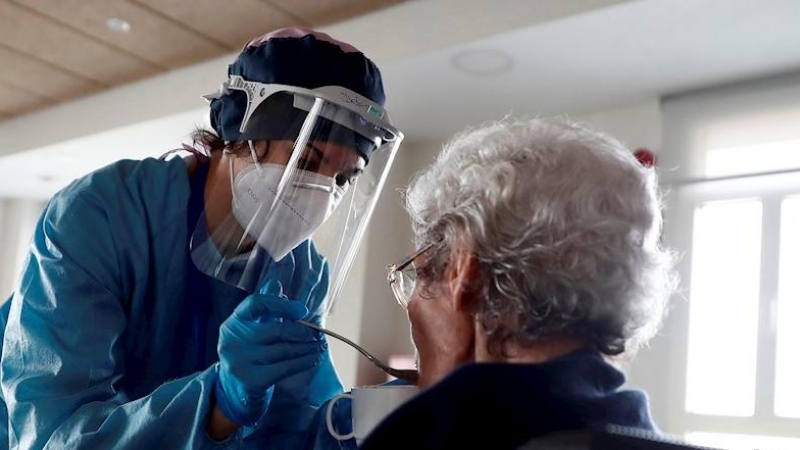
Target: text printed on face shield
x=353 y=100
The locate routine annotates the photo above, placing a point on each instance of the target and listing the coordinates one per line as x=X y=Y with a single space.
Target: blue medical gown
x=111 y=335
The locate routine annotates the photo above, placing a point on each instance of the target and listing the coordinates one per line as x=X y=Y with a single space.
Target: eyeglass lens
x=406 y=280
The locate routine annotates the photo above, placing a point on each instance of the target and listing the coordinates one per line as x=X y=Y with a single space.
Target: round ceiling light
x=118 y=25
x=482 y=62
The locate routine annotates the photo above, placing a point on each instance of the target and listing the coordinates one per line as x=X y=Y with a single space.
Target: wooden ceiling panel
x=29 y=32
x=321 y=12
x=58 y=50
x=233 y=22
x=152 y=36
x=49 y=81
x=15 y=101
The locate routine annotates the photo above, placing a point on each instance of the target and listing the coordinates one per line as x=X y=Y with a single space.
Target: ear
x=460 y=274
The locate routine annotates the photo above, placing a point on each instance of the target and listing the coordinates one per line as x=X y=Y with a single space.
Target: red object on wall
x=646 y=157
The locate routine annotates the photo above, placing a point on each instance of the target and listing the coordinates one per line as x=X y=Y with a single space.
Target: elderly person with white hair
x=538 y=265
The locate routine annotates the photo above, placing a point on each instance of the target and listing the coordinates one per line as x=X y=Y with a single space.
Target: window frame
x=685 y=197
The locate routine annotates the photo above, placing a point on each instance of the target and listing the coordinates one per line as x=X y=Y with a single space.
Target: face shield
x=306 y=183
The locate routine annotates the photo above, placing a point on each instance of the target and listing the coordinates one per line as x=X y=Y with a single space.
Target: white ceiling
x=40 y=172
x=603 y=58
x=600 y=59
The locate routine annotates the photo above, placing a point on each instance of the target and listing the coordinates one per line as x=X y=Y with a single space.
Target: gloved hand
x=261 y=344
x=304 y=277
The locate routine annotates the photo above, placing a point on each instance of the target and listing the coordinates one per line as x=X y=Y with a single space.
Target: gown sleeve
x=63 y=348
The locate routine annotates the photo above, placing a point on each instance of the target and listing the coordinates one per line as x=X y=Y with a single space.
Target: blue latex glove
x=260 y=344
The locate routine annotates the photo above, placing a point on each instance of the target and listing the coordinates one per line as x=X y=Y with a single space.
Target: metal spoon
x=404 y=374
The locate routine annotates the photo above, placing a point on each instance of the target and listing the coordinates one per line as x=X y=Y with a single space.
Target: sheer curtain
x=703 y=127
x=732 y=167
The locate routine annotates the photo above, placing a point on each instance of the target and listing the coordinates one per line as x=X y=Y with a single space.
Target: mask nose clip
x=314 y=186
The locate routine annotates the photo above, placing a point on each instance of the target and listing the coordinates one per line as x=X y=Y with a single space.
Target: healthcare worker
x=159 y=304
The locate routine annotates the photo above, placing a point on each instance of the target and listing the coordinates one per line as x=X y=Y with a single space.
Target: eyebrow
x=321 y=155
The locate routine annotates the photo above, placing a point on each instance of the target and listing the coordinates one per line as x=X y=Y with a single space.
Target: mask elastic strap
x=254 y=155
x=230 y=155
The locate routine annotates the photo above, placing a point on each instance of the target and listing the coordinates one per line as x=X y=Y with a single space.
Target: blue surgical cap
x=295 y=57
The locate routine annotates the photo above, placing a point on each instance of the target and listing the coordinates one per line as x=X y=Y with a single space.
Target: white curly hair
x=565 y=225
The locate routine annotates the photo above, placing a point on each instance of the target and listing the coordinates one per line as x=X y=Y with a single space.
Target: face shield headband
x=369 y=123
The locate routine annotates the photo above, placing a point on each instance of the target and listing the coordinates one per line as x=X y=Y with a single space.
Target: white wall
x=732 y=115
x=17 y=221
x=367 y=311
x=346 y=320
x=384 y=326
x=637 y=125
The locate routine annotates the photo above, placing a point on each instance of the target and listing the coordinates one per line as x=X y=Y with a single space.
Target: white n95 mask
x=307 y=200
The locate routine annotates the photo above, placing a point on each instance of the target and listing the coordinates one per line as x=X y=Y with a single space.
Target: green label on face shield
x=377 y=112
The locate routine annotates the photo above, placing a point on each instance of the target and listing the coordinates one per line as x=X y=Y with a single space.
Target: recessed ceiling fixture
x=482 y=61
x=118 y=25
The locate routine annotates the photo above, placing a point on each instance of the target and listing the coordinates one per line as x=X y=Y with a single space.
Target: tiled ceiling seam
x=92 y=37
x=54 y=66
x=181 y=25
x=92 y=85
x=300 y=21
x=97 y=84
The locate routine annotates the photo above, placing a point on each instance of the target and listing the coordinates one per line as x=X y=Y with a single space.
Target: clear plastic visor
x=302 y=187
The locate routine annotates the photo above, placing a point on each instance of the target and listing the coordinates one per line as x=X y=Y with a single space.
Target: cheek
x=240 y=165
x=415 y=319
x=418 y=318
x=278 y=152
x=426 y=317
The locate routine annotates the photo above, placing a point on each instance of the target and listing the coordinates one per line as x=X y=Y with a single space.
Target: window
x=725 y=371
x=771 y=157
x=725 y=281
x=787 y=361
x=742 y=278
x=743 y=441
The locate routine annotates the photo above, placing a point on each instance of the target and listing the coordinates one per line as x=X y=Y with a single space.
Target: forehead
x=337 y=155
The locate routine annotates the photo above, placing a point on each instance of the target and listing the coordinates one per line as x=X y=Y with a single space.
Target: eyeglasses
x=402 y=277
